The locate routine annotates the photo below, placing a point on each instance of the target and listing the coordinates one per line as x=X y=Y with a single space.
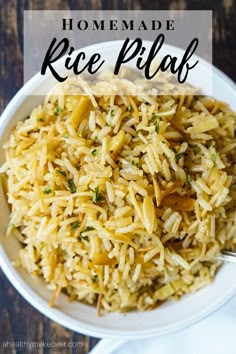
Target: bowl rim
x=55 y=314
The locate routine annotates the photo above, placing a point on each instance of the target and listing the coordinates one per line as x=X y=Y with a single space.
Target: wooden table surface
x=18 y=320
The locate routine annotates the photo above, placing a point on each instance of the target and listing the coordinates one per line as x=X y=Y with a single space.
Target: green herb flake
x=63 y=173
x=47 y=190
x=71 y=185
x=58 y=111
x=97 y=196
x=88 y=228
x=174 y=149
x=213 y=158
x=213 y=145
x=75 y=225
x=66 y=136
x=85 y=238
x=188 y=179
x=94 y=152
x=96 y=139
x=41 y=120
x=134 y=163
x=107 y=125
x=156 y=116
x=95 y=278
x=157 y=128
x=130 y=108
x=195 y=148
x=112 y=113
x=179 y=155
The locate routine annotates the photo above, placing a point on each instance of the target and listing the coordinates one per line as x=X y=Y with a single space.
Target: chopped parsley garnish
x=95 y=278
x=213 y=144
x=97 y=196
x=130 y=108
x=134 y=163
x=85 y=237
x=75 y=225
x=94 y=152
x=88 y=228
x=213 y=158
x=156 y=116
x=179 y=155
x=58 y=111
x=63 y=173
x=71 y=185
x=112 y=113
x=47 y=190
x=157 y=128
x=107 y=125
x=41 y=120
x=174 y=149
x=188 y=179
x=66 y=136
x=195 y=148
x=96 y=139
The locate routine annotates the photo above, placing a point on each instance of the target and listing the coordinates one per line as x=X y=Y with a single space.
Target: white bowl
x=76 y=316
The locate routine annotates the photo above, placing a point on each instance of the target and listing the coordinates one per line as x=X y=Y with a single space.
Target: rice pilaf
x=123 y=201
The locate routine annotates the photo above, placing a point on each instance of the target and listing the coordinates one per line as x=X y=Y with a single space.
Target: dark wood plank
x=7 y=346
x=11 y=59
x=54 y=333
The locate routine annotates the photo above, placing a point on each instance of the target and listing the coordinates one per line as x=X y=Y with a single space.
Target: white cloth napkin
x=214 y=335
